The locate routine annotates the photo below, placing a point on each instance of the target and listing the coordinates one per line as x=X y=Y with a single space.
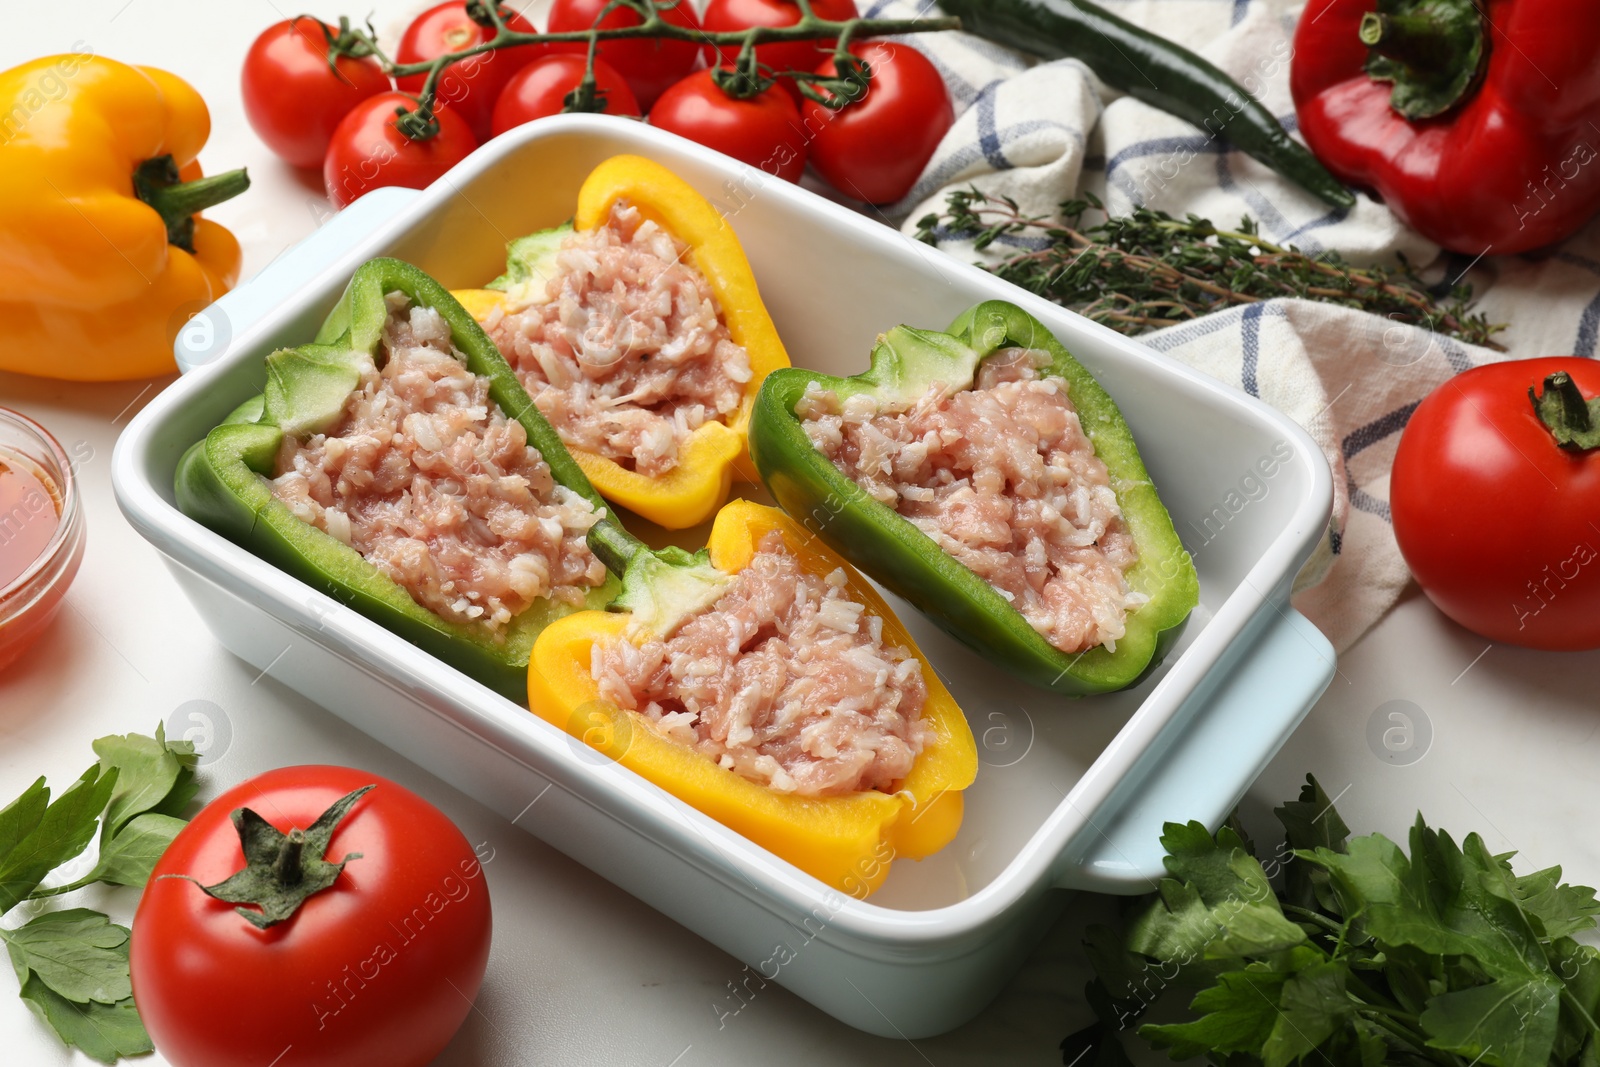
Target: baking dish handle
x=205 y=336
x=1225 y=741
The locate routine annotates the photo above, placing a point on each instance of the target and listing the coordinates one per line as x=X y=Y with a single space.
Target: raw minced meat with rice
x=785 y=680
x=438 y=489
x=625 y=351
x=1002 y=477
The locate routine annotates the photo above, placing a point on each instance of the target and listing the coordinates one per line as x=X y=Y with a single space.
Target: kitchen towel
x=1044 y=132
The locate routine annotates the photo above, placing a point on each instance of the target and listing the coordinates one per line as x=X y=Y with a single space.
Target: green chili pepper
x=888 y=548
x=221 y=480
x=1153 y=69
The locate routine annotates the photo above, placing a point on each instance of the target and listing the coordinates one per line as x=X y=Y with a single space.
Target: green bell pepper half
x=222 y=479
x=905 y=363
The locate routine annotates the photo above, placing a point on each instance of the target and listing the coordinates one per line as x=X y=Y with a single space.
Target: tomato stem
x=286 y=868
x=282 y=870
x=1573 y=421
x=652 y=26
x=587 y=97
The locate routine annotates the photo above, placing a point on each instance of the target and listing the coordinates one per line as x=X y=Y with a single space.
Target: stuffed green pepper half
x=397 y=465
x=986 y=477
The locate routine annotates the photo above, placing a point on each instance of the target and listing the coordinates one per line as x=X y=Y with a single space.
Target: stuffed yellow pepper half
x=639 y=332
x=764 y=682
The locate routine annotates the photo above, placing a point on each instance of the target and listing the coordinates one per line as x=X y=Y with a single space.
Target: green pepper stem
x=615 y=546
x=155 y=181
x=1432 y=51
x=1417 y=40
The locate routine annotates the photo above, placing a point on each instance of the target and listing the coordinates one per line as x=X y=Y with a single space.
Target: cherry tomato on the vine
x=649 y=65
x=368 y=150
x=378 y=967
x=763 y=131
x=471 y=86
x=875 y=147
x=541 y=89
x=1493 y=516
x=293 y=99
x=726 y=15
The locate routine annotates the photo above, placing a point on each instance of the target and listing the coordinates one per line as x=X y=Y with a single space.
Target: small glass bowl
x=30 y=602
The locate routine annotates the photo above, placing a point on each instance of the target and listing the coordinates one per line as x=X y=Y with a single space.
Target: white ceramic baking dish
x=1071 y=795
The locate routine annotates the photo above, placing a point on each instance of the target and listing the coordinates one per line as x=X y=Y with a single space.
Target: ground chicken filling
x=433 y=485
x=785 y=681
x=1003 y=479
x=626 y=353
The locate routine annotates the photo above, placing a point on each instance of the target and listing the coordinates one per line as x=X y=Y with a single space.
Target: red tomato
x=471 y=86
x=725 y=15
x=763 y=131
x=650 y=66
x=1494 y=519
x=368 y=151
x=379 y=968
x=291 y=97
x=875 y=147
x=541 y=89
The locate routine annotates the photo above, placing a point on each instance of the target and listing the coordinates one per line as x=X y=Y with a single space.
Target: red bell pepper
x=1478 y=123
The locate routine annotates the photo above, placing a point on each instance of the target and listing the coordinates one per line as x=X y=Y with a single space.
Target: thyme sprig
x=1147 y=270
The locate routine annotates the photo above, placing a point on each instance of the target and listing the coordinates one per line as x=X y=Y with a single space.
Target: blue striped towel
x=1042 y=133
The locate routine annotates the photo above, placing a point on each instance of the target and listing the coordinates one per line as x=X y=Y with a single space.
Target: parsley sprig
x=72 y=965
x=1147 y=270
x=1360 y=954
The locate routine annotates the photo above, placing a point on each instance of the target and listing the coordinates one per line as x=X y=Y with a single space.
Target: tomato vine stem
x=654 y=26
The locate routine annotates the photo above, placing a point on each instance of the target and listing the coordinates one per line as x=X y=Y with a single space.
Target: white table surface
x=580 y=972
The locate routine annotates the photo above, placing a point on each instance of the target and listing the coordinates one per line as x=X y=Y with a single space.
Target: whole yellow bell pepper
x=847 y=841
x=102 y=259
x=692 y=491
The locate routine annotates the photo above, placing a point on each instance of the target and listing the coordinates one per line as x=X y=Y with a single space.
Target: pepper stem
x=1415 y=40
x=614 y=546
x=156 y=182
x=1571 y=419
x=1433 y=51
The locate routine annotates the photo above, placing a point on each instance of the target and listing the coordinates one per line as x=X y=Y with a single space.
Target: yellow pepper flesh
x=693 y=490
x=93 y=289
x=845 y=841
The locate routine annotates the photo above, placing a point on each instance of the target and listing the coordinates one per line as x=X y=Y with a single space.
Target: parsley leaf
x=80 y=954
x=1441 y=953
x=1311 y=1009
x=151 y=768
x=1310 y=823
x=19 y=818
x=102 y=1031
x=1219 y=905
x=72 y=965
x=130 y=856
x=1557 y=909
x=1236 y=1015
x=1511 y=1021
x=65 y=829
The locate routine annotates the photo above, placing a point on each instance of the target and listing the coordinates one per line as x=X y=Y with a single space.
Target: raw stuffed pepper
x=639 y=332
x=397 y=465
x=985 y=476
x=764 y=682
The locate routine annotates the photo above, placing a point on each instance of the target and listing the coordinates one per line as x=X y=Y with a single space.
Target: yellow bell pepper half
x=96 y=284
x=845 y=841
x=692 y=491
